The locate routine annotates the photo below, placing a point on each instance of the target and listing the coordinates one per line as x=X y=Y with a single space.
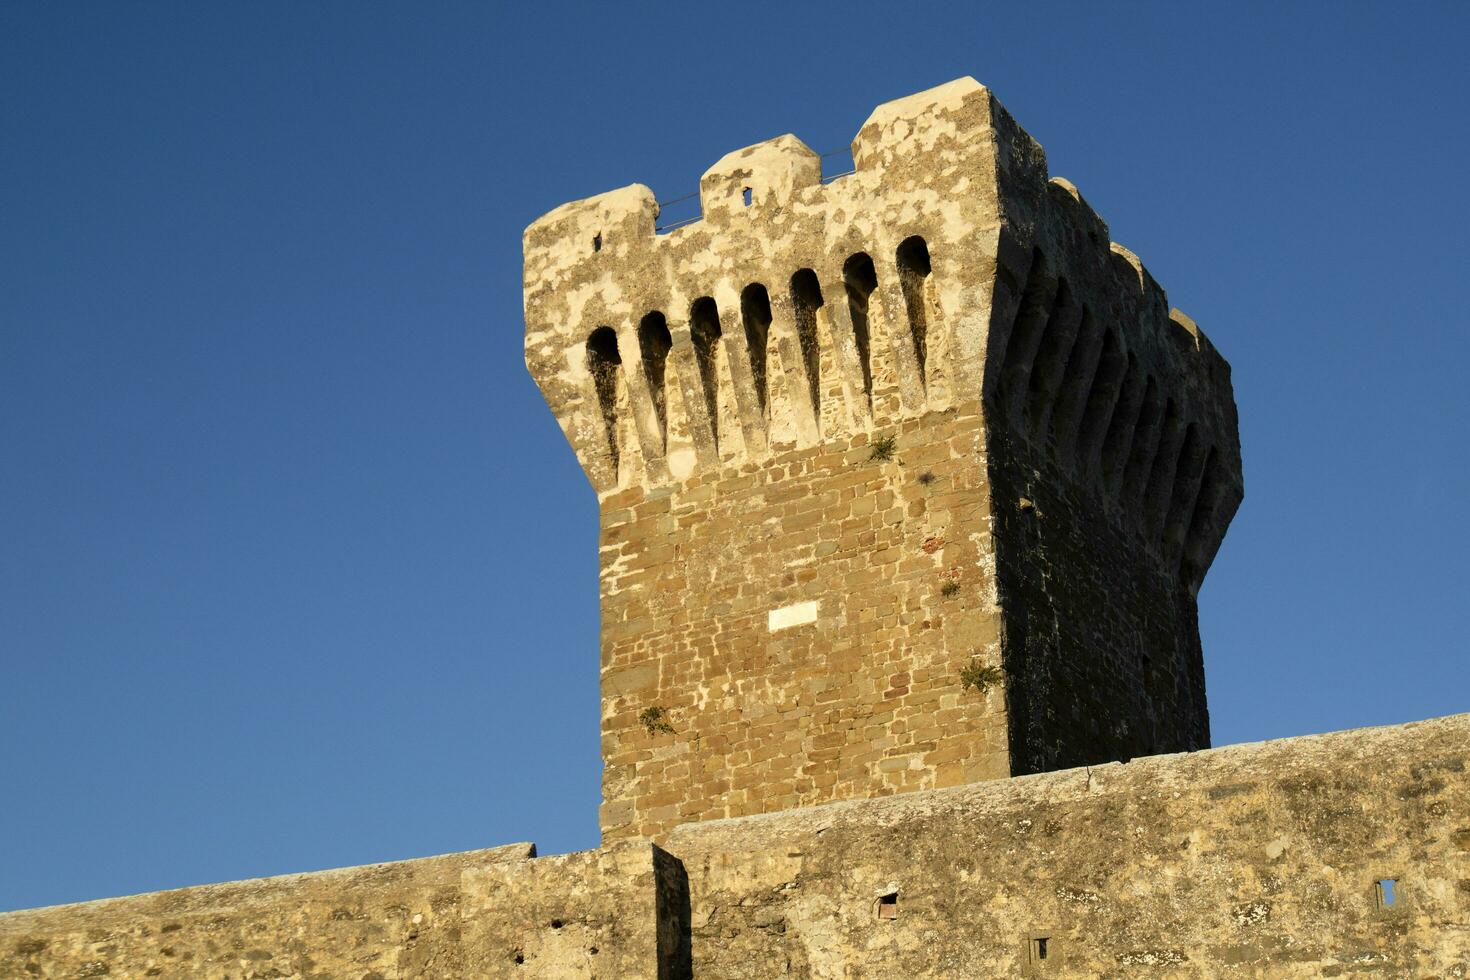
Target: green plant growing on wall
x=883 y=449
x=655 y=720
x=949 y=588
x=927 y=477
x=982 y=677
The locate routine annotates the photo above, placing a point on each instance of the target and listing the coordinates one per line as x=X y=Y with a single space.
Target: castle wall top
x=1264 y=857
x=737 y=320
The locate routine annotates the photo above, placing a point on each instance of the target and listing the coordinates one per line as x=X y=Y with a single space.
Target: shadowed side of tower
x=907 y=479
x=1114 y=466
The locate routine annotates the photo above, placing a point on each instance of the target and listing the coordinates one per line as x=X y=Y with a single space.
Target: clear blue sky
x=296 y=569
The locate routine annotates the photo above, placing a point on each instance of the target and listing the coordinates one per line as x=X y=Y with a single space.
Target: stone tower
x=858 y=442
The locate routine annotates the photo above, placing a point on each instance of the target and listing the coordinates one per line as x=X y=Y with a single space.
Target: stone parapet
x=797 y=312
x=1338 y=855
x=1330 y=855
x=621 y=911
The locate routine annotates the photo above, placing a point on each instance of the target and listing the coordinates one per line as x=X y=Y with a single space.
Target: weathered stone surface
x=1253 y=860
x=386 y=919
x=930 y=397
x=1256 y=860
x=622 y=911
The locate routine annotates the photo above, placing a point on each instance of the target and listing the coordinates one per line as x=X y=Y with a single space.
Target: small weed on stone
x=949 y=588
x=980 y=676
x=655 y=720
x=883 y=449
x=927 y=477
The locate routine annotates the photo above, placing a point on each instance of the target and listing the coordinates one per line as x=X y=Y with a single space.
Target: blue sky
x=297 y=570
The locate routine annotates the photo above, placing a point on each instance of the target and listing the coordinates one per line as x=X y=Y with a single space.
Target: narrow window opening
x=806 y=299
x=1039 y=946
x=755 y=312
x=745 y=196
x=597 y=242
x=888 y=906
x=913 y=270
x=1387 y=890
x=605 y=366
x=655 y=343
x=861 y=278
x=704 y=334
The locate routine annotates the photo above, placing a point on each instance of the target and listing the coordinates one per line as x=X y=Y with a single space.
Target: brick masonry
x=930 y=397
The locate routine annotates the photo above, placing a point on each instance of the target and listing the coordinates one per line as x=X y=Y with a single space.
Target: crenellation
x=794 y=226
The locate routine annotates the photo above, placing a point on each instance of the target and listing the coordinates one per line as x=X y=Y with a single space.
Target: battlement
x=921 y=415
x=796 y=313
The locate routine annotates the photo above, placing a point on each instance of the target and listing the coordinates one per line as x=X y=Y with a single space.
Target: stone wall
x=864 y=698
x=621 y=911
x=1263 y=860
x=1253 y=860
x=853 y=438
